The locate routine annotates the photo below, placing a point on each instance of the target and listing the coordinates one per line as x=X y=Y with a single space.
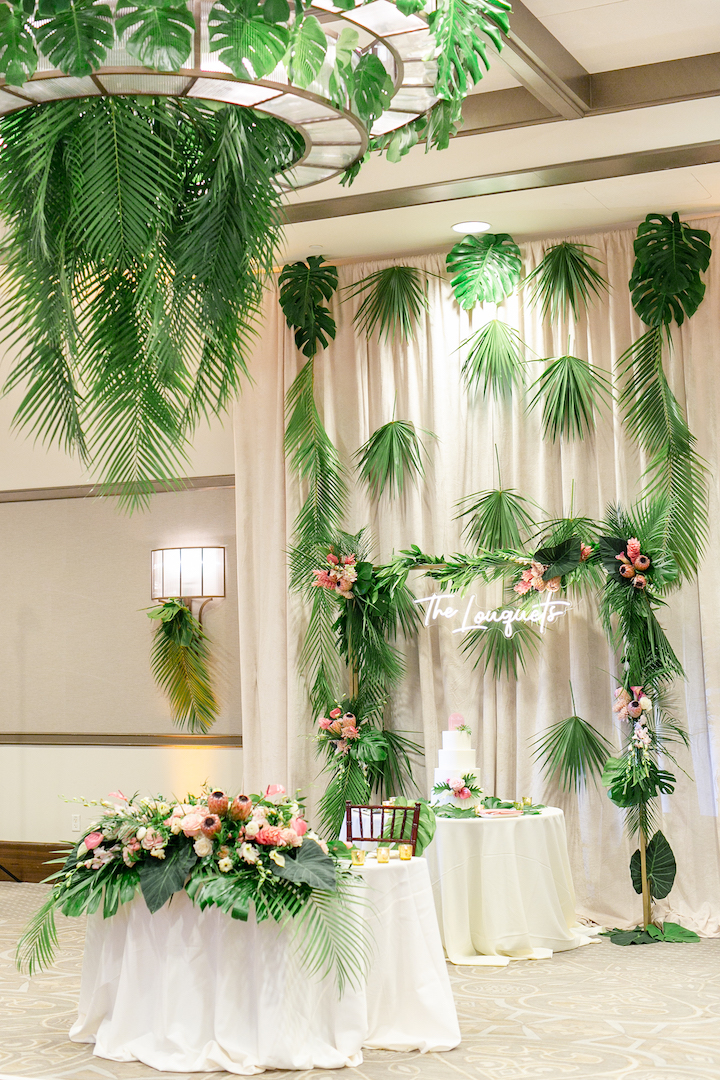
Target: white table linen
x=186 y=990
x=503 y=888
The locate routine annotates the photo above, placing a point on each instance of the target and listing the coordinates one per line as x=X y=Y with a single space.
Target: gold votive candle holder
x=406 y=851
x=526 y=800
x=383 y=853
x=357 y=856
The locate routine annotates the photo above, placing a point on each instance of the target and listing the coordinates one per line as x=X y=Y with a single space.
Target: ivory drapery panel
x=358 y=385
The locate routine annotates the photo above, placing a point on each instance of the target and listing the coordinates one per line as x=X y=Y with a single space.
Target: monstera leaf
x=661 y=867
x=75 y=35
x=303 y=287
x=308 y=46
x=250 y=45
x=669 y=258
x=484 y=268
x=371 y=88
x=162 y=37
x=18 y=58
x=456 y=26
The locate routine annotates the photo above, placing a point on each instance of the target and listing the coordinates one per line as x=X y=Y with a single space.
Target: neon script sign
x=541 y=615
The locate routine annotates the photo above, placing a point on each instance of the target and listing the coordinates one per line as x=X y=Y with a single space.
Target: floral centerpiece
x=236 y=853
x=461 y=787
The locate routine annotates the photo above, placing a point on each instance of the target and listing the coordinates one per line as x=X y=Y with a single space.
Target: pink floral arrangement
x=633 y=564
x=633 y=705
x=459 y=787
x=340 y=575
x=532 y=578
x=339 y=728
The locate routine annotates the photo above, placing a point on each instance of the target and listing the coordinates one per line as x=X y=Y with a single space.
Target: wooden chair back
x=390 y=824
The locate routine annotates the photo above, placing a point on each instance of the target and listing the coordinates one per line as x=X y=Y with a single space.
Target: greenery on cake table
x=238 y=854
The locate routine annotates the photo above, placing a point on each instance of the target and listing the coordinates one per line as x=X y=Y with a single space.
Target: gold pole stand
x=646 y=899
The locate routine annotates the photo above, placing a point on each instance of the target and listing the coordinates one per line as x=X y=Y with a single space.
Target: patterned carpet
x=598 y=1013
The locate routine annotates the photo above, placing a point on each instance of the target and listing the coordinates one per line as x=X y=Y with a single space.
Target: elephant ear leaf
x=661 y=867
x=669 y=257
x=74 y=34
x=484 y=268
x=18 y=58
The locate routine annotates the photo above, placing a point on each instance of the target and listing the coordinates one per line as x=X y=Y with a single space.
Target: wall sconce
x=188 y=573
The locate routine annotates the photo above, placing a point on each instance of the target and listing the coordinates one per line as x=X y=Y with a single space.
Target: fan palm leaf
x=495 y=360
x=571 y=750
x=394 y=300
x=498 y=518
x=564 y=280
x=390 y=458
x=571 y=391
x=501 y=655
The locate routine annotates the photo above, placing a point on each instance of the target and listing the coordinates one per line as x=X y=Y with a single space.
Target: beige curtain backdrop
x=359 y=386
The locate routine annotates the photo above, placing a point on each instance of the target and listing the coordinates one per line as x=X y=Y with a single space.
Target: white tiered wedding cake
x=457 y=780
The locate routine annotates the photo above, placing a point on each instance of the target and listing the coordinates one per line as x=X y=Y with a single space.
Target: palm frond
x=347 y=784
x=495 y=361
x=331 y=934
x=391 y=457
x=675 y=471
x=564 y=280
x=180 y=661
x=571 y=392
x=498 y=518
x=36 y=947
x=571 y=750
x=499 y=654
x=394 y=300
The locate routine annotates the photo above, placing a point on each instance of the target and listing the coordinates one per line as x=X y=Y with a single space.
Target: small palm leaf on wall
x=495 y=362
x=497 y=518
x=391 y=458
x=571 y=392
x=180 y=661
x=394 y=301
x=564 y=280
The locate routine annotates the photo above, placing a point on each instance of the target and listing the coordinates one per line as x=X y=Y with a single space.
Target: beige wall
x=74 y=638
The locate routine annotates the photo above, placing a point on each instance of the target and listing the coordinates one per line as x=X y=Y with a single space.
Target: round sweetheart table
x=503 y=888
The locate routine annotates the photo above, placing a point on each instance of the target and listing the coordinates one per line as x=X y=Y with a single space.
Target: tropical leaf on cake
x=661 y=867
x=494 y=363
x=484 y=268
x=502 y=656
x=304 y=289
x=670 y=255
x=391 y=458
x=460 y=29
x=394 y=301
x=497 y=519
x=564 y=280
x=180 y=662
x=571 y=392
x=571 y=751
x=675 y=472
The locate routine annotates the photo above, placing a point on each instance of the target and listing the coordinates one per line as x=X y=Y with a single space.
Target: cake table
x=503 y=888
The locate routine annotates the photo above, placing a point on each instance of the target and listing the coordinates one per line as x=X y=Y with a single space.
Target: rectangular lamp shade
x=191 y=572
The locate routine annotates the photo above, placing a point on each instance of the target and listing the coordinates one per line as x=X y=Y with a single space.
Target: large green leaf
x=571 y=392
x=180 y=661
x=560 y=558
x=499 y=654
x=673 y=932
x=249 y=45
x=74 y=34
x=495 y=361
x=498 y=518
x=308 y=865
x=394 y=300
x=391 y=457
x=564 y=280
x=571 y=750
x=457 y=26
x=427 y=823
x=484 y=268
x=308 y=46
x=18 y=58
x=160 y=878
x=660 y=864
x=370 y=88
x=665 y=283
x=162 y=37
x=303 y=288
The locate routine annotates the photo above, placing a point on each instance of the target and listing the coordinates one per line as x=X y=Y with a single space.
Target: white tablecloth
x=185 y=990
x=503 y=888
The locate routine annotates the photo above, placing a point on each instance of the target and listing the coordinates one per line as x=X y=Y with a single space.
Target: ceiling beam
x=575 y=172
x=544 y=67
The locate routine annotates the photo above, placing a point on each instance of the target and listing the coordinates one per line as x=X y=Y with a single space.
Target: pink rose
x=92 y=840
x=335 y=713
x=192 y=823
x=289 y=838
x=269 y=834
x=464 y=793
x=299 y=825
x=324 y=723
x=456 y=785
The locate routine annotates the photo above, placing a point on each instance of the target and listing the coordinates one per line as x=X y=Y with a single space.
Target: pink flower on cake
x=464 y=793
x=269 y=834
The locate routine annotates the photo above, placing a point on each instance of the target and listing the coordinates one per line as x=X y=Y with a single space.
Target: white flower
x=252 y=828
x=224 y=865
x=141 y=832
x=203 y=846
x=158 y=852
x=162 y=808
x=176 y=826
x=645 y=703
x=249 y=853
x=277 y=857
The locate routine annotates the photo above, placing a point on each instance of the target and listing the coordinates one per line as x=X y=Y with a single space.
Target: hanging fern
x=495 y=361
x=394 y=301
x=390 y=458
x=564 y=280
x=180 y=664
x=484 y=268
x=571 y=391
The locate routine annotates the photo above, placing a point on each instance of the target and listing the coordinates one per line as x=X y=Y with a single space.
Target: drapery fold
x=361 y=385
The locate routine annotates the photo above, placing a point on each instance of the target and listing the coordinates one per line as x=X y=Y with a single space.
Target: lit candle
x=357 y=856
x=383 y=853
x=406 y=851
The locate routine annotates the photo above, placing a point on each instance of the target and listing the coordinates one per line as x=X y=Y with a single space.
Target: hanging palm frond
x=395 y=299
x=676 y=474
x=564 y=280
x=484 y=268
x=391 y=457
x=499 y=654
x=498 y=518
x=180 y=664
x=495 y=360
x=571 y=392
x=571 y=750
x=303 y=288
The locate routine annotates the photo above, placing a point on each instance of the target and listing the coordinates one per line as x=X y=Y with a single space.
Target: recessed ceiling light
x=315 y=247
x=472 y=226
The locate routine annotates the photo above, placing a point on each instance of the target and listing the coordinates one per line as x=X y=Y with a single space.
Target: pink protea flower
x=349 y=718
x=634 y=709
x=333 y=559
x=241 y=808
x=269 y=834
x=335 y=713
x=92 y=840
x=210 y=825
x=553 y=585
x=324 y=723
x=585 y=552
x=633 y=548
x=350 y=732
x=639 y=581
x=218 y=803
x=641 y=563
x=626 y=570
